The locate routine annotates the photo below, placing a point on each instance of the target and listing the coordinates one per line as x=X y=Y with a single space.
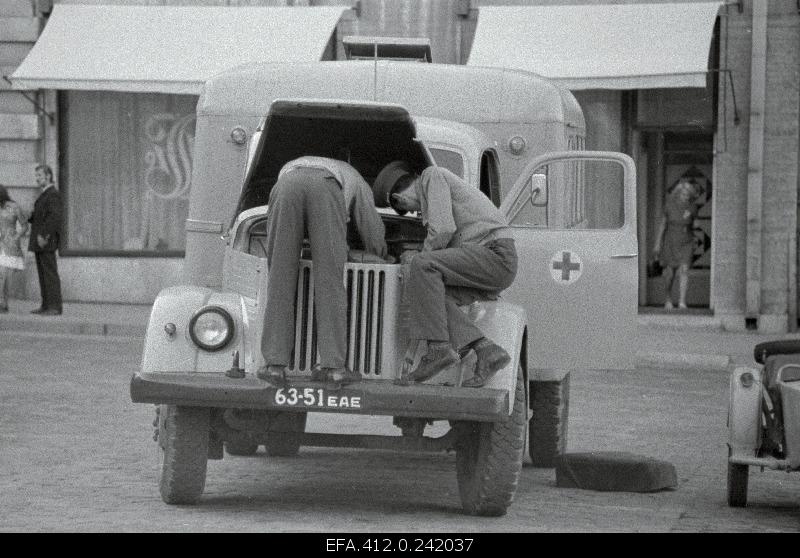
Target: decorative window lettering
x=128 y=163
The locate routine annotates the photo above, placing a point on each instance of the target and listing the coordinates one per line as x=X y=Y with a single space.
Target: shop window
x=126 y=171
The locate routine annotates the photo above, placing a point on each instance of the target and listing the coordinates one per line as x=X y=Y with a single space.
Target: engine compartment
x=402 y=233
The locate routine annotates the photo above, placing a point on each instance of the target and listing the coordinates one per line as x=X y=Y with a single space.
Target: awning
x=630 y=46
x=167 y=49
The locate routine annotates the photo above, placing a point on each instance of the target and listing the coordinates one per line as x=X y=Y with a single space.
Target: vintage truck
x=573 y=305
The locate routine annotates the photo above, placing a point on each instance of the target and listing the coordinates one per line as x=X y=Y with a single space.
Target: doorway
x=671 y=156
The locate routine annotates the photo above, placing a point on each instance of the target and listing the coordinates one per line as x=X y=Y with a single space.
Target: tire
x=287 y=444
x=737 y=484
x=185 y=445
x=489 y=459
x=547 y=429
x=241 y=448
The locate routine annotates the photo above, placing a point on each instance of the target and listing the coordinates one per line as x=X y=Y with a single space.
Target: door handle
x=624 y=255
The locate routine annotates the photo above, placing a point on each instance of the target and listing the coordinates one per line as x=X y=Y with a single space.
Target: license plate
x=317 y=398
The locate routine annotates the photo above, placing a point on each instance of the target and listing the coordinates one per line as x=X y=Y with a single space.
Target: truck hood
x=368 y=135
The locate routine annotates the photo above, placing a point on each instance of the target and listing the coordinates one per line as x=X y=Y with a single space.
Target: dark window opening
x=365 y=144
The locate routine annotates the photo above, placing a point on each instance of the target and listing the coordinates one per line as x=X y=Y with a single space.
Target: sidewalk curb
x=65 y=325
x=687 y=361
x=60 y=326
x=680 y=321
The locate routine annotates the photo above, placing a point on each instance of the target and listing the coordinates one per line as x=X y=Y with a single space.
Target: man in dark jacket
x=45 y=239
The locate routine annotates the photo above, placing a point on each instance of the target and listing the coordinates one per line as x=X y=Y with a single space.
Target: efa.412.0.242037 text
x=401 y=544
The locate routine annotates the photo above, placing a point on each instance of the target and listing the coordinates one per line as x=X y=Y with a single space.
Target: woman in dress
x=13 y=225
x=675 y=239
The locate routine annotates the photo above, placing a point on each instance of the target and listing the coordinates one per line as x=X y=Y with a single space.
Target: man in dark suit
x=45 y=240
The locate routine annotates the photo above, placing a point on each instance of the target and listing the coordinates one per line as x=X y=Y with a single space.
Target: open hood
x=367 y=135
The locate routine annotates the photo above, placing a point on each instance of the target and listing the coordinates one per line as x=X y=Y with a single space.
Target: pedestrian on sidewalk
x=674 y=244
x=13 y=225
x=46 y=239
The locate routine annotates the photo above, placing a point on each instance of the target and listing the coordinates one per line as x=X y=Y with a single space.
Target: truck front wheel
x=185 y=444
x=489 y=459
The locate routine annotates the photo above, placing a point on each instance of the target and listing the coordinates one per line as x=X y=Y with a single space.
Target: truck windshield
x=448 y=159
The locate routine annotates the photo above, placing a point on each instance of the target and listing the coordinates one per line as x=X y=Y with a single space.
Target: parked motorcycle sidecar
x=764 y=416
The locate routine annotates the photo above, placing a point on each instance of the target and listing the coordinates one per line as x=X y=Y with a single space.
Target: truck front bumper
x=373 y=397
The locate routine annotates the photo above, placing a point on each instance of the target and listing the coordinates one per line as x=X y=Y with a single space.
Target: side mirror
x=539 y=190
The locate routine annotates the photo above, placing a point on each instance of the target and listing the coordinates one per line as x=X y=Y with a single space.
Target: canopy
x=167 y=49
x=626 y=46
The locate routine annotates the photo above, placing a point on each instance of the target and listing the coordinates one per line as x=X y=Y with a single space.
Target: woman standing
x=675 y=239
x=11 y=257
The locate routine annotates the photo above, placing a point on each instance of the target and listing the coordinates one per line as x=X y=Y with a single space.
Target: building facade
x=123 y=158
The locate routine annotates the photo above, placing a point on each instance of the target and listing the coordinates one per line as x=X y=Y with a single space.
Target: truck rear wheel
x=737 y=484
x=185 y=445
x=241 y=448
x=547 y=429
x=287 y=444
x=489 y=459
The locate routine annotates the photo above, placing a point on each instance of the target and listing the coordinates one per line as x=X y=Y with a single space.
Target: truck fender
x=504 y=324
x=165 y=352
x=744 y=411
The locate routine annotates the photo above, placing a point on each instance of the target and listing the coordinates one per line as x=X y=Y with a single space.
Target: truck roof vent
x=409 y=49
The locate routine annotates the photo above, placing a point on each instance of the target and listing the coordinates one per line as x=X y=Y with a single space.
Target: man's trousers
x=49 y=281
x=441 y=280
x=306 y=202
x=5 y=281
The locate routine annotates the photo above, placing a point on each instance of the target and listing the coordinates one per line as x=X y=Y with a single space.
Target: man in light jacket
x=467 y=256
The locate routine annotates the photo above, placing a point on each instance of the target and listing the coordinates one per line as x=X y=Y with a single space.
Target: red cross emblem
x=568 y=264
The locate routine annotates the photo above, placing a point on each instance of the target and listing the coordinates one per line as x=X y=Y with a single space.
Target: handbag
x=654 y=269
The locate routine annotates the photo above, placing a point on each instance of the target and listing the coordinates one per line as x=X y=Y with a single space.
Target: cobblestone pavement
x=77 y=455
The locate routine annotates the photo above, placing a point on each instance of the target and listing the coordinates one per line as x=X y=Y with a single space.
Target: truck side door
x=573 y=218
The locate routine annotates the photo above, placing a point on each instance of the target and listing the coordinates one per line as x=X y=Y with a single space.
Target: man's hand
x=407 y=256
x=42 y=241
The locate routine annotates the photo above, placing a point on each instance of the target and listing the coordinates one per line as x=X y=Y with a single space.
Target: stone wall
x=780 y=170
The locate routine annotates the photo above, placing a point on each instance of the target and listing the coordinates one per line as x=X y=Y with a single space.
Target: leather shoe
x=273 y=373
x=51 y=312
x=491 y=358
x=434 y=361
x=38 y=310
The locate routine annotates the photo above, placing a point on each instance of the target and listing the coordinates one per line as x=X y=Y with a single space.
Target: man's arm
x=52 y=222
x=368 y=220
x=437 y=206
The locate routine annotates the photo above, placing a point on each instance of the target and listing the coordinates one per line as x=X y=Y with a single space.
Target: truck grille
x=373 y=295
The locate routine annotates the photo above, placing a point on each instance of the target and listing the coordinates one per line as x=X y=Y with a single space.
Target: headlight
x=211 y=328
